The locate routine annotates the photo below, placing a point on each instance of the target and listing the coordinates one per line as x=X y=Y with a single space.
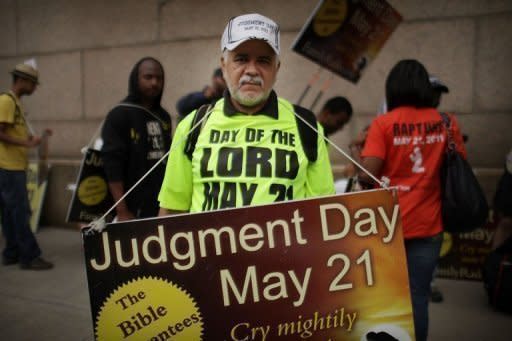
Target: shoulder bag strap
x=308 y=136
x=450 y=143
x=193 y=135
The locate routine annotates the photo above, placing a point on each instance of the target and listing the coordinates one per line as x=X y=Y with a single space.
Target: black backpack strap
x=308 y=136
x=445 y=118
x=450 y=142
x=190 y=146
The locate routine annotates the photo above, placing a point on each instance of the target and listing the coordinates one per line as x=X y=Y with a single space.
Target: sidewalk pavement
x=54 y=305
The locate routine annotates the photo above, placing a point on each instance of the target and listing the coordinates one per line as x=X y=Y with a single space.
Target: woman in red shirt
x=406 y=145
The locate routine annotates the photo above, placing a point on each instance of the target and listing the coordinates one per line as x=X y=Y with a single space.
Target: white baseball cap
x=250 y=26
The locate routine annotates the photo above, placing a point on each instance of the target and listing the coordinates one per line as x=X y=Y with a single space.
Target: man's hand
x=165 y=212
x=117 y=190
x=124 y=214
x=33 y=141
x=47 y=132
x=361 y=138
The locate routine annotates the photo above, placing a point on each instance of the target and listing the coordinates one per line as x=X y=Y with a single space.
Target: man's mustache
x=256 y=80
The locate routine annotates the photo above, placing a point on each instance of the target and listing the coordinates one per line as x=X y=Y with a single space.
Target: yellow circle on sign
x=92 y=190
x=149 y=309
x=329 y=17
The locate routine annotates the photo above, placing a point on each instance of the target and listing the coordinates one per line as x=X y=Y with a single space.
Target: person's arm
x=165 y=212
x=356 y=145
x=32 y=141
x=319 y=174
x=122 y=211
x=7 y=117
x=114 y=153
x=374 y=166
x=372 y=153
x=457 y=136
x=176 y=191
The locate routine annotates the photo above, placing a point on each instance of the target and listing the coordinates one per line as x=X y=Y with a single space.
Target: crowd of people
x=205 y=174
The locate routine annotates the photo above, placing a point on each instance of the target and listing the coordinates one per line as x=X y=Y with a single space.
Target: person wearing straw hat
x=136 y=134
x=249 y=149
x=21 y=246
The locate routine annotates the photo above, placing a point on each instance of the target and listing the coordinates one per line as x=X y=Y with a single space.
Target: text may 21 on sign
x=326 y=268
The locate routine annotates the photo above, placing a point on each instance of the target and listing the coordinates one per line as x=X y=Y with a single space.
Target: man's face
x=28 y=86
x=151 y=79
x=250 y=72
x=333 y=122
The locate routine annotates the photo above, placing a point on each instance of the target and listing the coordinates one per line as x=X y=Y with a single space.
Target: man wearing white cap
x=250 y=149
x=21 y=246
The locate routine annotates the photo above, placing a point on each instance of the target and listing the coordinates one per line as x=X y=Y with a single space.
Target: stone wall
x=85 y=50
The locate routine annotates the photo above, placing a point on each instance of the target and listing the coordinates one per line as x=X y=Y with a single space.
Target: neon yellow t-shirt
x=242 y=160
x=13 y=157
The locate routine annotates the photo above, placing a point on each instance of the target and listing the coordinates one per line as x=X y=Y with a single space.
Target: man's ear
x=222 y=64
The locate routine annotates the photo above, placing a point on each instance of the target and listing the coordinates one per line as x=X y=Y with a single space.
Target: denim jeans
x=422 y=256
x=20 y=243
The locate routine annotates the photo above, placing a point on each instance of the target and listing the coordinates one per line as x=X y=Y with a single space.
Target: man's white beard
x=248 y=100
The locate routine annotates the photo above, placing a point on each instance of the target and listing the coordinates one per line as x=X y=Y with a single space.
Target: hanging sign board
x=344 y=36
x=330 y=268
x=91 y=197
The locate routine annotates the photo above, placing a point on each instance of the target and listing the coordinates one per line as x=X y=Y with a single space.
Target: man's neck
x=17 y=91
x=247 y=110
x=147 y=104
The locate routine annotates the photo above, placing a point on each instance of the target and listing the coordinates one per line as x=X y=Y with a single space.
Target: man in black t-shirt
x=136 y=134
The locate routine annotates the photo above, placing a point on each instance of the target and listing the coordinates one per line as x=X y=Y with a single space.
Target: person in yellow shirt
x=15 y=139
